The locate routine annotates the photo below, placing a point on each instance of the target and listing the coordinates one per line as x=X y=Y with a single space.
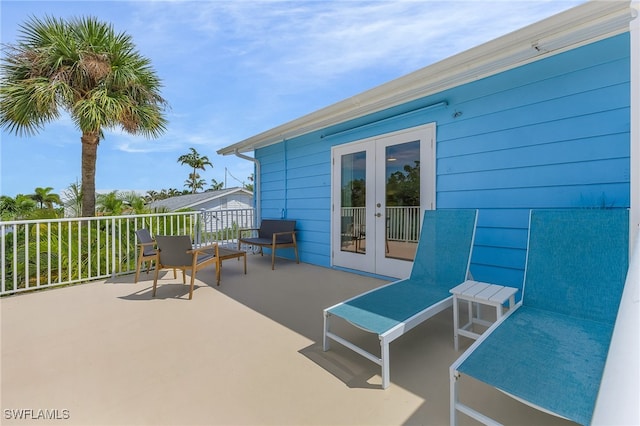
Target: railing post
x=113 y=247
x=199 y=221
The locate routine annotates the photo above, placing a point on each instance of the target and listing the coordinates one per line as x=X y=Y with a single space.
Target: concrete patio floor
x=246 y=353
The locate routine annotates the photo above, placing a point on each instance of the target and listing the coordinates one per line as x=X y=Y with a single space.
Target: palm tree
x=73 y=199
x=196 y=161
x=151 y=196
x=134 y=203
x=81 y=66
x=249 y=186
x=110 y=203
x=17 y=208
x=215 y=185
x=194 y=182
x=44 y=197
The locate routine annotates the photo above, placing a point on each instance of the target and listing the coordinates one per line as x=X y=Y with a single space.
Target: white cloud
x=302 y=41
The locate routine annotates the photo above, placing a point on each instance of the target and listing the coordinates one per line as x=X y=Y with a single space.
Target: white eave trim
x=584 y=24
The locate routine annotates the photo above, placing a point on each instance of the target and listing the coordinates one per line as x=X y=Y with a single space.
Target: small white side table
x=476 y=292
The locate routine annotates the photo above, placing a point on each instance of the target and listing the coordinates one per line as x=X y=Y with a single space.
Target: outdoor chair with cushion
x=441 y=262
x=352 y=234
x=176 y=252
x=273 y=233
x=549 y=352
x=147 y=251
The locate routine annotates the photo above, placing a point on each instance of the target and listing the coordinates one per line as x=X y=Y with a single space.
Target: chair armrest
x=203 y=249
x=241 y=230
x=284 y=233
x=275 y=235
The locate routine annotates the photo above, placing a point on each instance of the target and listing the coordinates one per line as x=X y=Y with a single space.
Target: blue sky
x=232 y=69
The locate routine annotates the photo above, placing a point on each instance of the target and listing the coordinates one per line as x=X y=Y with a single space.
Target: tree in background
x=215 y=185
x=109 y=204
x=84 y=67
x=151 y=196
x=249 y=186
x=20 y=207
x=196 y=162
x=73 y=200
x=403 y=188
x=116 y=203
x=45 y=198
x=194 y=182
x=133 y=203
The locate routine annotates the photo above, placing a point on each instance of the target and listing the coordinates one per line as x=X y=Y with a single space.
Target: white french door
x=380 y=189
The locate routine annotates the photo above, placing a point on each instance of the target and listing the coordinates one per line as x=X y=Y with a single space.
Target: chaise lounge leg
x=453 y=397
x=325 y=339
x=384 y=350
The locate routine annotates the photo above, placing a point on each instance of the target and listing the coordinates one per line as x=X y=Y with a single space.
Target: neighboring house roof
x=192 y=201
x=587 y=23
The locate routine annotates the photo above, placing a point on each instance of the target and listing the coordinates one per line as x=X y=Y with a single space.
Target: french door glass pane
x=402 y=192
x=352 y=204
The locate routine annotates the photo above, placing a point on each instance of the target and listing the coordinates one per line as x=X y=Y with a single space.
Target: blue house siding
x=550 y=134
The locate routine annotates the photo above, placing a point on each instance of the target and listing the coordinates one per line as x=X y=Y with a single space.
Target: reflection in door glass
x=402 y=200
x=353 y=205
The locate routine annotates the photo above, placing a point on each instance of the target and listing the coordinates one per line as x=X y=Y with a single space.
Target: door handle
x=378 y=214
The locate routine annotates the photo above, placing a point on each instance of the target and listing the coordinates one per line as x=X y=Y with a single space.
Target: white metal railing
x=403 y=223
x=37 y=254
x=222 y=225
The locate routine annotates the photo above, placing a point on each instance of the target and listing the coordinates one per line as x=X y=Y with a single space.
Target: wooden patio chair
x=147 y=252
x=273 y=233
x=176 y=252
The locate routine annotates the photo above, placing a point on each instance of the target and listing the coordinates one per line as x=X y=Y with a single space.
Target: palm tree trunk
x=90 y=141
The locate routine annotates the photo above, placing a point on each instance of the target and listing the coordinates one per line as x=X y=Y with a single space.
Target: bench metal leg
x=456 y=322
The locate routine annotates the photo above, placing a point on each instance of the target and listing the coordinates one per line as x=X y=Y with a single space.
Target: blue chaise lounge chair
x=549 y=352
x=441 y=263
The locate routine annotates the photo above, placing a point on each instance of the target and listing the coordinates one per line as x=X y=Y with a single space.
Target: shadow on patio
x=247 y=352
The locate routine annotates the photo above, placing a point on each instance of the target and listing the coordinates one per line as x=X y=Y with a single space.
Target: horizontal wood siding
x=551 y=134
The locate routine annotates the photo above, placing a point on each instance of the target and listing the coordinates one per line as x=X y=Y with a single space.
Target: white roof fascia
x=583 y=24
